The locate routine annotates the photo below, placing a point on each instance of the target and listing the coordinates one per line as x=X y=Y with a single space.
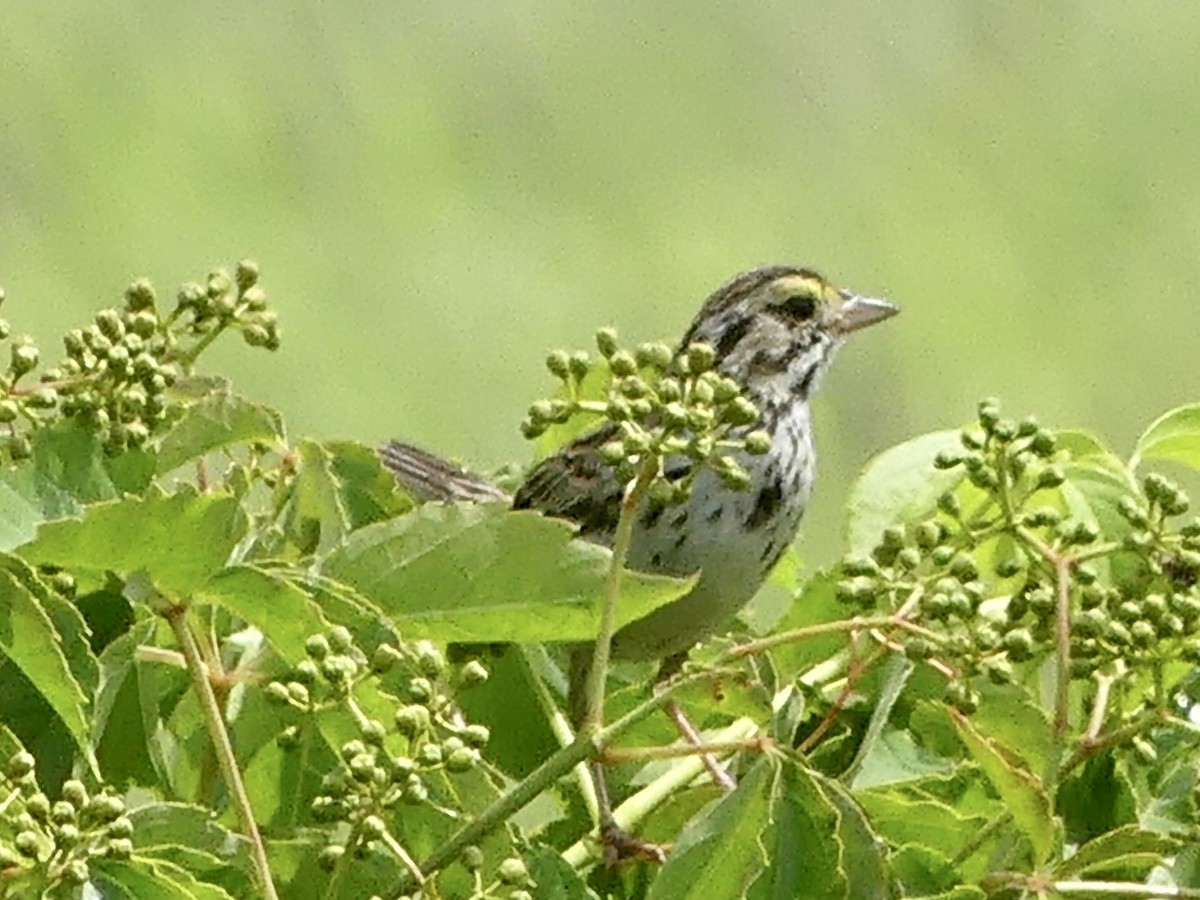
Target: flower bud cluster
x=390 y=765
x=982 y=578
x=659 y=404
x=53 y=841
x=116 y=373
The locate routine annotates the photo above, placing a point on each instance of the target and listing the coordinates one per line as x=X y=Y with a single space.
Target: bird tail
x=431 y=478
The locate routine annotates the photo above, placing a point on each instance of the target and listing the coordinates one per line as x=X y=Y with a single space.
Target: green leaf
x=369 y=492
x=817 y=604
x=899 y=485
x=278 y=608
x=68 y=469
x=903 y=819
x=1173 y=436
x=801 y=816
x=555 y=879
x=863 y=861
x=1013 y=721
x=180 y=540
x=29 y=640
x=317 y=519
x=1097 y=798
x=144 y=878
x=895 y=677
x=1021 y=792
x=718 y=854
x=219 y=419
x=480 y=572
x=896 y=758
x=922 y=869
x=1126 y=854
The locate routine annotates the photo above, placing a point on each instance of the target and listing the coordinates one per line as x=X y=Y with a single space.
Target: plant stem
x=1062 y=668
x=176 y=616
x=597 y=677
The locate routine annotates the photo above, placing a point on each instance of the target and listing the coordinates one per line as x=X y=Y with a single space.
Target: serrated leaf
x=1021 y=791
x=317 y=519
x=30 y=642
x=370 y=493
x=555 y=879
x=180 y=540
x=719 y=853
x=1127 y=853
x=895 y=677
x=145 y=878
x=801 y=816
x=219 y=419
x=903 y=819
x=1173 y=436
x=480 y=572
x=863 y=860
x=923 y=870
x=899 y=485
x=278 y=608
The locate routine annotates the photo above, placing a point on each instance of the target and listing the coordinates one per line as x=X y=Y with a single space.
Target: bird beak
x=859 y=312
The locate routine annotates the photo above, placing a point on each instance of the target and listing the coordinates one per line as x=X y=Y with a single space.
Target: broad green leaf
x=923 y=870
x=895 y=758
x=118 y=725
x=801 y=816
x=1173 y=436
x=29 y=640
x=317 y=518
x=1012 y=720
x=817 y=604
x=863 y=860
x=1097 y=798
x=179 y=540
x=895 y=677
x=1021 y=792
x=68 y=469
x=555 y=879
x=1127 y=854
x=146 y=878
x=903 y=820
x=719 y=853
x=899 y=485
x=369 y=492
x=67 y=621
x=275 y=606
x=217 y=420
x=480 y=572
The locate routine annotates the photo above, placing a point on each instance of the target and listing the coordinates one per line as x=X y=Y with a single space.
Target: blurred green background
x=438 y=193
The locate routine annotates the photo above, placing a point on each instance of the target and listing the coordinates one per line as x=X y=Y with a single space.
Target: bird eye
x=800 y=306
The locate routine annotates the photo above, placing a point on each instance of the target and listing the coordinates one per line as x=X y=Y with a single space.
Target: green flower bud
x=63 y=812
x=246 y=274
x=330 y=857
x=5 y=329
x=430 y=755
x=430 y=660
x=700 y=358
x=962 y=697
x=580 y=364
x=477 y=735
x=1004 y=431
x=8 y=411
x=472 y=673
x=144 y=324
x=256 y=336
x=385 y=658
x=740 y=411
x=276 y=692
x=725 y=389
x=758 y=442
x=1051 y=477
x=373 y=732
x=618 y=410
x=531 y=430
x=297 y=693
x=1143 y=633
x=110 y=324
x=700 y=448
x=340 y=639
x=1019 y=645
x=606 y=341
x=655 y=356
x=908 y=559
x=972 y=440
x=622 y=364
x=947 y=460
x=24 y=358
x=700 y=418
x=949 y=503
x=512 y=871
x=307 y=672
x=317 y=647
x=120 y=848
x=472 y=858
x=1028 y=427
x=462 y=760
x=731 y=473
x=1043 y=444
x=415 y=792
x=412 y=720
x=702 y=392
x=634 y=388
x=1090 y=623
x=38 y=806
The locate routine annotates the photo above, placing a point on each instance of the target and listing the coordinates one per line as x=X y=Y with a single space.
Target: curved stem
x=594 y=717
x=176 y=616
